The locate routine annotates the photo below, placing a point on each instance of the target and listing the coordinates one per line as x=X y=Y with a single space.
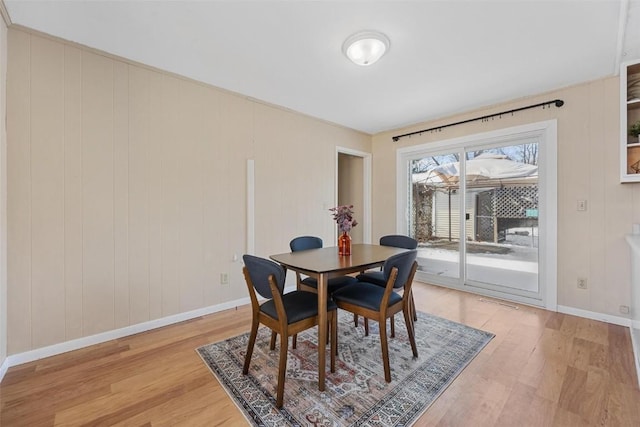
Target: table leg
x=322 y=328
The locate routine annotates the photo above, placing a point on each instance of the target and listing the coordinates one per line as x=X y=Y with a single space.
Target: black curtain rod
x=557 y=102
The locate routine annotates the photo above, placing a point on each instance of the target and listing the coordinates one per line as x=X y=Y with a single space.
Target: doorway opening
x=353 y=187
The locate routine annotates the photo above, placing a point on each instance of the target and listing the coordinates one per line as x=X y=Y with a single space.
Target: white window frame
x=545 y=134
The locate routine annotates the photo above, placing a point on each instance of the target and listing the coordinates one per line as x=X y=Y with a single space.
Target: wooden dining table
x=325 y=263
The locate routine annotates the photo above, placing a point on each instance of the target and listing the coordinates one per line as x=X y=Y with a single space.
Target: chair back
x=259 y=270
x=303 y=243
x=403 y=262
x=399 y=241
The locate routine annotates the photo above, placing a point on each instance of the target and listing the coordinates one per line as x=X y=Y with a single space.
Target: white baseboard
x=608 y=318
x=52 y=350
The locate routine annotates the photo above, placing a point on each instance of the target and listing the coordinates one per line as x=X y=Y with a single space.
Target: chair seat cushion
x=375 y=277
x=364 y=295
x=298 y=305
x=334 y=283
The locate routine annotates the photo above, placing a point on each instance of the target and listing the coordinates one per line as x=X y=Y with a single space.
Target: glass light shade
x=366 y=47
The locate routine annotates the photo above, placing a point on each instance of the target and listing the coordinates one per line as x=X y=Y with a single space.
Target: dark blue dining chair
x=377 y=277
x=285 y=314
x=399 y=241
x=380 y=303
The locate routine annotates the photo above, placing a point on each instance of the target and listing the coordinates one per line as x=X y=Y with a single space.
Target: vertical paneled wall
x=127 y=190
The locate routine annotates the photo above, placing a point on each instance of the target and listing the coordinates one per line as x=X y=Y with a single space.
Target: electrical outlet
x=224 y=278
x=582 y=283
x=624 y=309
x=582 y=205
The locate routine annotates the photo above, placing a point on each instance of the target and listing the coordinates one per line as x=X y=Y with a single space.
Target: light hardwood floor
x=541 y=369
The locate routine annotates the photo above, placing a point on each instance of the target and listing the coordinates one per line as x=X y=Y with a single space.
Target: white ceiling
x=446 y=57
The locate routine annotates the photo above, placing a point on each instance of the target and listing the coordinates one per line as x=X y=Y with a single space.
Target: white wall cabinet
x=629 y=114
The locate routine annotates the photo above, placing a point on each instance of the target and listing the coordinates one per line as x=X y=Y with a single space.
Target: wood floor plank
x=596 y=396
x=581 y=353
x=569 y=419
x=541 y=369
x=551 y=380
x=194 y=408
x=623 y=407
x=526 y=409
x=119 y=406
x=554 y=321
x=622 y=364
x=592 y=330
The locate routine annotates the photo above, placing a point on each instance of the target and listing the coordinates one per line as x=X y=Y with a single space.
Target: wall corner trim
x=3 y=368
x=635 y=344
x=5 y=16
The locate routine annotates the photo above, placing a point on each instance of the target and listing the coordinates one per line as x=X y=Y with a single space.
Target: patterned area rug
x=356 y=394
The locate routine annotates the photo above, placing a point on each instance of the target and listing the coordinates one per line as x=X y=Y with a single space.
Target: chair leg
x=282 y=369
x=393 y=327
x=272 y=345
x=328 y=331
x=385 y=349
x=355 y=320
x=336 y=347
x=252 y=341
x=410 y=330
x=294 y=341
x=366 y=327
x=333 y=349
x=413 y=308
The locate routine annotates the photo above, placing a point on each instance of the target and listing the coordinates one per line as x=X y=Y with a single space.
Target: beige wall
x=3 y=192
x=590 y=244
x=127 y=190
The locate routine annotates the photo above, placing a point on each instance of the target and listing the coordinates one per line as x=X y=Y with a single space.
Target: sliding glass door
x=435 y=210
x=502 y=193
x=476 y=207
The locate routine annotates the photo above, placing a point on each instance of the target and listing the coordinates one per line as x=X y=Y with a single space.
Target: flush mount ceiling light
x=365 y=47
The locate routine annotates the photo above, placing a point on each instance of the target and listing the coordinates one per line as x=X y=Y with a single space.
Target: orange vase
x=344 y=244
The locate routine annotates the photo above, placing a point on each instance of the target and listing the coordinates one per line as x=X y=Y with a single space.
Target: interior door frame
x=366 y=189
x=546 y=133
